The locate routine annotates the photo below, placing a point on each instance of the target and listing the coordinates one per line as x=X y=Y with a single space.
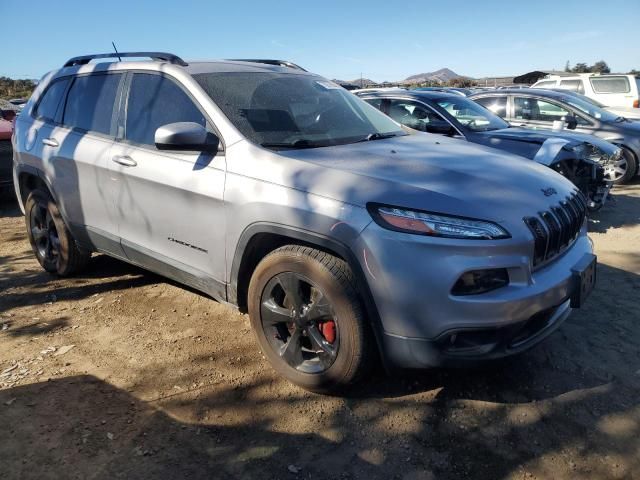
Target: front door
x=169 y=204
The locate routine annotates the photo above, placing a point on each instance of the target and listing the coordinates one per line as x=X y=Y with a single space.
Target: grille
x=554 y=230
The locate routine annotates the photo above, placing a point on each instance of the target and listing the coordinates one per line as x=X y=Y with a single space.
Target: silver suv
x=277 y=191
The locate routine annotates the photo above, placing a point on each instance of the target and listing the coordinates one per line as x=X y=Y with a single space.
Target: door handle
x=124 y=160
x=50 y=142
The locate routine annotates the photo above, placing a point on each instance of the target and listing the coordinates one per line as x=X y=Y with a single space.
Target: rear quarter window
x=610 y=84
x=50 y=101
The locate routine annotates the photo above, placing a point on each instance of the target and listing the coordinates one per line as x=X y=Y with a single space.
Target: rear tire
x=322 y=321
x=52 y=243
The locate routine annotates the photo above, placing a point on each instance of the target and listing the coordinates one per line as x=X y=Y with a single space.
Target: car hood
x=428 y=172
x=627 y=112
x=541 y=136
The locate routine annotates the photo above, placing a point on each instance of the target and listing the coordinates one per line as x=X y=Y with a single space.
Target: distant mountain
x=443 y=75
x=359 y=82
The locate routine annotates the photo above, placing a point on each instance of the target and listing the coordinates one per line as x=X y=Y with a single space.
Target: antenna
x=116 y=50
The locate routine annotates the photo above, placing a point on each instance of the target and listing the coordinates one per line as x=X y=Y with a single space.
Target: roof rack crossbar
x=269 y=61
x=157 y=56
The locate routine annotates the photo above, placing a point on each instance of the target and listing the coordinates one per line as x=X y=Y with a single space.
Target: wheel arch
x=260 y=239
x=28 y=179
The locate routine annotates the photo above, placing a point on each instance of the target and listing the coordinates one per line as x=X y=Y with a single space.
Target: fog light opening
x=476 y=282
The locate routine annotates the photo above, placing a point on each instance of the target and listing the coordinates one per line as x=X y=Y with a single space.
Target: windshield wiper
x=302 y=143
x=377 y=136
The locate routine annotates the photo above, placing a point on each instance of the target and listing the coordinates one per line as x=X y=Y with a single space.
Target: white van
x=619 y=93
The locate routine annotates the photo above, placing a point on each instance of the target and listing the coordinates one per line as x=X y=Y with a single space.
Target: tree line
x=10 y=88
x=598 y=67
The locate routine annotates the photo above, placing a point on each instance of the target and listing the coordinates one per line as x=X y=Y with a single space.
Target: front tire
x=308 y=318
x=52 y=243
x=622 y=170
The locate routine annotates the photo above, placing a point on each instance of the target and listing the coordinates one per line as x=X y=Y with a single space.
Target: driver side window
x=155 y=101
x=419 y=117
x=537 y=110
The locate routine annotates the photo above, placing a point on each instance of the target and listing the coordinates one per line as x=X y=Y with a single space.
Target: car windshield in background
x=590 y=109
x=471 y=115
x=278 y=110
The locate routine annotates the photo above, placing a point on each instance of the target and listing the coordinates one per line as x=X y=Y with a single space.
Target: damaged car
x=580 y=158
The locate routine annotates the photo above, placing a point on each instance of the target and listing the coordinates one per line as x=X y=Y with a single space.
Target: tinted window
x=155 y=101
x=90 y=103
x=497 y=105
x=417 y=116
x=610 y=84
x=572 y=85
x=375 y=102
x=537 y=110
x=285 y=110
x=48 y=105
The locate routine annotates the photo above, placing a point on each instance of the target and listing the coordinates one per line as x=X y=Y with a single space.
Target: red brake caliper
x=328 y=330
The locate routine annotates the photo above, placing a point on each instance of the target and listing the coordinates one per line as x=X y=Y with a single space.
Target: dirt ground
x=162 y=382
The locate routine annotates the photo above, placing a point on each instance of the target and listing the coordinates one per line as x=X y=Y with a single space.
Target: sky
x=336 y=39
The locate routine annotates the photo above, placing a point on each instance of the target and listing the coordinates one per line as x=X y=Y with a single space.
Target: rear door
x=75 y=153
x=169 y=204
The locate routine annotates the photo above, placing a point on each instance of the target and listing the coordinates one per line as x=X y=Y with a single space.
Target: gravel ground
x=118 y=373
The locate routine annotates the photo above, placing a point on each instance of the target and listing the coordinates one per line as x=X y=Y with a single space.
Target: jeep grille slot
x=556 y=229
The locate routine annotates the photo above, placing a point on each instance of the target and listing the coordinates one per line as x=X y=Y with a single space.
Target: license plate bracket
x=584 y=279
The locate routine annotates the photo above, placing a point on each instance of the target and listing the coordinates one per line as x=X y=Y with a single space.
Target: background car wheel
x=622 y=170
x=308 y=318
x=51 y=241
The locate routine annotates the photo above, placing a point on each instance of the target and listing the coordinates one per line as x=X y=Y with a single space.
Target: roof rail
x=268 y=61
x=157 y=56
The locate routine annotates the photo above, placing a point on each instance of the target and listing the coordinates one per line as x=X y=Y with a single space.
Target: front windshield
x=279 y=110
x=590 y=108
x=471 y=115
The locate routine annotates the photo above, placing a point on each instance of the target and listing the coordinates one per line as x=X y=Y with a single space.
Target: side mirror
x=441 y=128
x=186 y=136
x=571 y=121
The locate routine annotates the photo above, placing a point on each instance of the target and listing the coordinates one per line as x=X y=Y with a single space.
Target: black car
x=578 y=157
x=539 y=108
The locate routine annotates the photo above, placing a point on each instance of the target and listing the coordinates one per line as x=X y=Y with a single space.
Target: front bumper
x=466 y=347
x=423 y=325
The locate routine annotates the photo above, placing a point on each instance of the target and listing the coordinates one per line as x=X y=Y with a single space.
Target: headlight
x=435 y=224
x=591 y=152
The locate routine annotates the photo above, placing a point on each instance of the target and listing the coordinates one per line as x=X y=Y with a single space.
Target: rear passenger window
x=50 y=101
x=572 y=85
x=90 y=103
x=610 y=84
x=155 y=101
x=497 y=105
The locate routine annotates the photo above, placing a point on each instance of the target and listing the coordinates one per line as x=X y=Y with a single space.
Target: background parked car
x=629 y=114
x=580 y=158
x=540 y=108
x=8 y=113
x=619 y=93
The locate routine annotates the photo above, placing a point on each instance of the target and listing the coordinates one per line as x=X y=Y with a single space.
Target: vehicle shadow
x=622 y=209
x=9 y=204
